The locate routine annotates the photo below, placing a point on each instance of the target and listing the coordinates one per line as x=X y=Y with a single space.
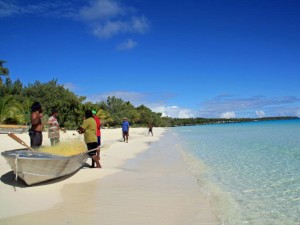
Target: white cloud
x=137 y=99
x=8 y=9
x=228 y=115
x=184 y=113
x=127 y=45
x=108 y=18
x=110 y=28
x=105 y=18
x=173 y=111
x=245 y=107
x=100 y=10
x=260 y=113
x=139 y=24
x=42 y=9
x=221 y=107
x=70 y=86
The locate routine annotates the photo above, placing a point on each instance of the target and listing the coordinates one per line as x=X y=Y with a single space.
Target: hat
x=94 y=112
x=125 y=118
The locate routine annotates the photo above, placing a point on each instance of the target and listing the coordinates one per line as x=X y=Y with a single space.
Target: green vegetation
x=16 y=100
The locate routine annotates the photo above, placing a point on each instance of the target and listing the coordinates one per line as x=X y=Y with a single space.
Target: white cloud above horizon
x=218 y=107
x=138 y=99
x=71 y=86
x=260 y=113
x=247 y=106
x=173 y=111
x=228 y=115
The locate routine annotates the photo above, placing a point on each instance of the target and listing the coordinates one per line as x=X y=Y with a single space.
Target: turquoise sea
x=251 y=171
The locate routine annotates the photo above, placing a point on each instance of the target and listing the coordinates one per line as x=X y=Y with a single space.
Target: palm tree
x=11 y=111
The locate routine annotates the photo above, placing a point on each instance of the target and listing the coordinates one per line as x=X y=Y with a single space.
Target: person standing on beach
x=53 y=131
x=88 y=128
x=125 y=129
x=35 y=132
x=150 y=128
x=98 y=132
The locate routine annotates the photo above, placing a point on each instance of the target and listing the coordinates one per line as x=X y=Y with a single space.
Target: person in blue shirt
x=125 y=129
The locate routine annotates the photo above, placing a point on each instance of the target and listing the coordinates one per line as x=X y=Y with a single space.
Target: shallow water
x=251 y=170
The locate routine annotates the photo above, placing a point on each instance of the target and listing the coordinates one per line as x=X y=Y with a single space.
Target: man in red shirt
x=98 y=132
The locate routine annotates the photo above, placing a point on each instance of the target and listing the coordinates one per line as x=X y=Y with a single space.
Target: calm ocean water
x=251 y=170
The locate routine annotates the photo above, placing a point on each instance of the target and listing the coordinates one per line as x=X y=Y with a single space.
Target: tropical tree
x=11 y=111
x=6 y=87
x=146 y=114
x=51 y=95
x=105 y=117
x=116 y=108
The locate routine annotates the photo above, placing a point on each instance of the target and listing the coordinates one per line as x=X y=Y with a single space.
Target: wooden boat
x=35 y=167
x=17 y=129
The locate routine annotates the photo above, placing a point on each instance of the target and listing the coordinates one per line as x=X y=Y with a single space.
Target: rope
x=16 y=163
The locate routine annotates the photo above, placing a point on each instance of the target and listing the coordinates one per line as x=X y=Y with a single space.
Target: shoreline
x=134 y=179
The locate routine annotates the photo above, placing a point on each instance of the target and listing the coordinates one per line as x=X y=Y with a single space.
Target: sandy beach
x=139 y=183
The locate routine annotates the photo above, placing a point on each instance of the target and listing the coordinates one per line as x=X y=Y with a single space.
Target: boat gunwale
x=47 y=156
x=13 y=128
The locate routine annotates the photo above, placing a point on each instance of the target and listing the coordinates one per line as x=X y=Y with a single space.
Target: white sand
x=132 y=194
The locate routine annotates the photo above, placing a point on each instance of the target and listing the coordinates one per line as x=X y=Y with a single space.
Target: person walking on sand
x=98 y=132
x=53 y=131
x=88 y=128
x=125 y=129
x=150 y=129
x=35 y=132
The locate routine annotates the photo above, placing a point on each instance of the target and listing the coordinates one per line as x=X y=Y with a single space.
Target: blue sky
x=192 y=58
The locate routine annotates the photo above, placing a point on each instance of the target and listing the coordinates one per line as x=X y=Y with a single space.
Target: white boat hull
x=35 y=167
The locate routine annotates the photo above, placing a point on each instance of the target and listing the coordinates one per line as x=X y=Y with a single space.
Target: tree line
x=16 y=100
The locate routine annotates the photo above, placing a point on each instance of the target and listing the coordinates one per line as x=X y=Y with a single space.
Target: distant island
x=204 y=121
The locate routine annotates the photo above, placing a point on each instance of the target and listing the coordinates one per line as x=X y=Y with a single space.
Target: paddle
x=13 y=136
